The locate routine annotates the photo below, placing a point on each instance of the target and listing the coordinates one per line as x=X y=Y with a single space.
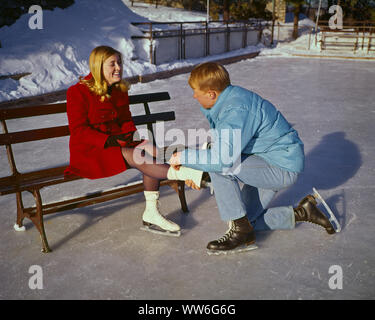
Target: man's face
x=206 y=99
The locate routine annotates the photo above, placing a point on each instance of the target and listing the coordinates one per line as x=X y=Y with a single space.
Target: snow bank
x=57 y=54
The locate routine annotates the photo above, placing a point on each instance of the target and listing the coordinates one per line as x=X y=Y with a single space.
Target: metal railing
x=183 y=30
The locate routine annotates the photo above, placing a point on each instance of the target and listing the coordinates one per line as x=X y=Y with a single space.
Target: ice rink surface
x=100 y=253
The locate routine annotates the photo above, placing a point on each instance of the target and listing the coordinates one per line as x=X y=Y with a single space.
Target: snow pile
x=164 y=14
x=57 y=54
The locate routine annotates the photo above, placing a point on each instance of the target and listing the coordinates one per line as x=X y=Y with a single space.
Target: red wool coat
x=91 y=122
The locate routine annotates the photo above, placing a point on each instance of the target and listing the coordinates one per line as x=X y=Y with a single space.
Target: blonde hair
x=209 y=76
x=97 y=83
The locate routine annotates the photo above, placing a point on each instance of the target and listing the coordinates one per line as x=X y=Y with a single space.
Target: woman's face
x=112 y=69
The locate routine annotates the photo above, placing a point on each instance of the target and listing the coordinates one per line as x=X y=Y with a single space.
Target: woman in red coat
x=101 y=135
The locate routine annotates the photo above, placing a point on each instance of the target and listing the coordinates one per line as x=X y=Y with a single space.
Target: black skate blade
x=332 y=219
x=243 y=248
x=155 y=229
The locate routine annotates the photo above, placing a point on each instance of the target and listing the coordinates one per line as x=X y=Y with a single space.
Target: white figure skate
x=154 y=221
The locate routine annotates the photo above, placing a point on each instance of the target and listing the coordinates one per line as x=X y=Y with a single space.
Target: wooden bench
x=34 y=181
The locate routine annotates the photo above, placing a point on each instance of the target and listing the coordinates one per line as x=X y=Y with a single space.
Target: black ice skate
x=206 y=182
x=307 y=211
x=240 y=237
x=331 y=217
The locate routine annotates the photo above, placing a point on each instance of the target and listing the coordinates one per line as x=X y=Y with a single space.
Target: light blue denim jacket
x=243 y=123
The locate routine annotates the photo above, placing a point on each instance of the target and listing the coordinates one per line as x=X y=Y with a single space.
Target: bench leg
x=179 y=187
x=37 y=219
x=20 y=213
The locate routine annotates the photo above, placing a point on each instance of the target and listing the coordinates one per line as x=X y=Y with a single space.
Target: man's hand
x=191 y=184
x=175 y=159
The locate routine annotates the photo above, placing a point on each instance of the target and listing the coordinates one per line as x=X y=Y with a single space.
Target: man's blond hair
x=209 y=76
x=97 y=83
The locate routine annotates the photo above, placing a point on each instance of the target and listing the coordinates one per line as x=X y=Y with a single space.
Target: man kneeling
x=253 y=144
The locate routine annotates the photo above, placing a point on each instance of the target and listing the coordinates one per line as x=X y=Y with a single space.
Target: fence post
x=180 y=42
x=184 y=44
x=151 y=49
x=369 y=40
x=363 y=38
x=227 y=45
x=244 y=35
x=260 y=33
x=308 y=46
x=208 y=39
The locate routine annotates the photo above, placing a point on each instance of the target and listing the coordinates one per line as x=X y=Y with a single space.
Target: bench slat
x=33 y=135
x=12 y=182
x=154 y=117
x=61 y=131
x=25 y=112
x=149 y=97
x=36 y=184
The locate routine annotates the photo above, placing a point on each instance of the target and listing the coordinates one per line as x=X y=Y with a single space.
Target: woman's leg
x=152 y=172
x=149 y=166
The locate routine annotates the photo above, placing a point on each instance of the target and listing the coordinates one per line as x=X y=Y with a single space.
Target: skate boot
x=154 y=221
x=239 y=237
x=206 y=180
x=184 y=174
x=307 y=211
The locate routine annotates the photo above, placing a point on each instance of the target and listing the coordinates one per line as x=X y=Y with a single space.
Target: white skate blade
x=236 y=250
x=18 y=228
x=331 y=217
x=155 y=229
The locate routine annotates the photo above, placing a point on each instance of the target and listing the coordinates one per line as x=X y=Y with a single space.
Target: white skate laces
x=227 y=234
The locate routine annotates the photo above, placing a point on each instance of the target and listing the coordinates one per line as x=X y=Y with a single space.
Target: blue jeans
x=261 y=182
